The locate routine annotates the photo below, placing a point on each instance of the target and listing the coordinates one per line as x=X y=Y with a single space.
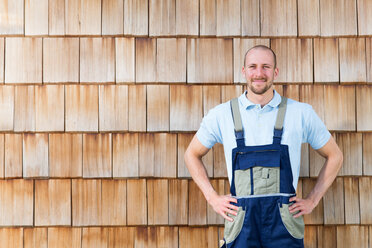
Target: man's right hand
x=222 y=205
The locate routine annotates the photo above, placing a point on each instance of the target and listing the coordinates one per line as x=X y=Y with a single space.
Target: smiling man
x=262 y=133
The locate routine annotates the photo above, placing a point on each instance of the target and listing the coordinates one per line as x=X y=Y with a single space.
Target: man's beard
x=261 y=90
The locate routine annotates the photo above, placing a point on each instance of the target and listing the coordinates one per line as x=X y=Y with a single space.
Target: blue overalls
x=262 y=183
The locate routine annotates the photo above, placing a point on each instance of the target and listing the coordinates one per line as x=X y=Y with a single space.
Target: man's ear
x=243 y=70
x=276 y=72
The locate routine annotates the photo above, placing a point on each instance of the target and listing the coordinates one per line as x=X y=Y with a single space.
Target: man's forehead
x=260 y=55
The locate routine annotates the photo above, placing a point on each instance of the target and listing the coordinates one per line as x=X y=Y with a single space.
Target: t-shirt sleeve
x=315 y=133
x=209 y=131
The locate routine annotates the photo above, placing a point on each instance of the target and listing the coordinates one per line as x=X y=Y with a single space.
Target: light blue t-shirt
x=301 y=125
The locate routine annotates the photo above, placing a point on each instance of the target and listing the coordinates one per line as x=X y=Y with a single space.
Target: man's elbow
x=338 y=158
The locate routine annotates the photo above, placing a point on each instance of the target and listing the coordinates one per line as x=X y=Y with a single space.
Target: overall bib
x=262 y=183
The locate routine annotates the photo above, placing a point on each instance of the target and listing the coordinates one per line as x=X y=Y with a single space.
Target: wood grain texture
x=112 y=17
x=349 y=236
x=157 y=108
x=214 y=218
x=2 y=156
x=327 y=236
x=208 y=163
x=35 y=238
x=352 y=60
x=2 y=54
x=208 y=17
x=365 y=200
x=250 y=17
x=178 y=202
x=97 y=160
x=11 y=237
x=23 y=60
x=145 y=237
x=121 y=237
x=183 y=141
x=367 y=155
x=197 y=205
x=339 y=107
x=12 y=23
x=305 y=161
x=166 y=236
x=113 y=108
x=56 y=17
x=351 y=148
x=171 y=59
x=310 y=237
x=219 y=163
x=6 y=107
x=313 y=95
x=13 y=156
x=65 y=155
x=241 y=46
x=64 y=237
x=35 y=155
x=198 y=237
x=292 y=91
x=24 y=108
x=36 y=17
x=83 y=17
x=187 y=17
x=338 y=17
x=136 y=17
x=364 y=7
x=145 y=60
x=162 y=17
x=158 y=202
x=228 y=18
x=334 y=203
x=326 y=60
x=125 y=60
x=202 y=65
x=308 y=18
x=316 y=162
x=125 y=155
x=16 y=205
x=165 y=155
x=114 y=202
x=94 y=237
x=185 y=107
x=369 y=59
x=49 y=108
x=317 y=215
x=97 y=60
x=229 y=92
x=364 y=107
x=137 y=107
x=136 y=202
x=294 y=60
x=274 y=13
x=81 y=108
x=146 y=155
x=351 y=189
x=53 y=202
x=60 y=60
x=86 y=202
x=211 y=98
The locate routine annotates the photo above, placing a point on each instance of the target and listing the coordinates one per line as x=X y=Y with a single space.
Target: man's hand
x=222 y=205
x=304 y=206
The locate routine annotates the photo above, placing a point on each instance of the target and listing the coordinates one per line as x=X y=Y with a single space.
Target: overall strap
x=278 y=129
x=238 y=127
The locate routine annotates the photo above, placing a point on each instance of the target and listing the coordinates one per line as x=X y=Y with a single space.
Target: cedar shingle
x=183 y=141
x=36 y=17
x=334 y=203
x=61 y=60
x=13 y=155
x=326 y=61
x=112 y=17
x=308 y=18
x=250 y=17
x=97 y=161
x=326 y=236
x=97 y=60
x=165 y=155
x=351 y=188
x=369 y=59
x=145 y=237
x=13 y=21
x=2 y=60
x=193 y=237
x=157 y=201
x=353 y=60
x=23 y=60
x=137 y=107
x=166 y=236
x=313 y=95
x=162 y=17
x=56 y=17
x=6 y=107
x=125 y=155
x=305 y=161
x=178 y=200
x=211 y=97
x=212 y=217
x=351 y=148
x=197 y=205
x=114 y=202
x=121 y=237
x=136 y=202
x=229 y=92
x=64 y=237
x=24 y=108
x=146 y=158
x=136 y=17
x=219 y=163
x=125 y=59
x=364 y=19
x=145 y=59
x=365 y=198
x=367 y=155
x=35 y=155
x=35 y=238
x=65 y=155
x=158 y=108
x=2 y=156
x=352 y=236
x=228 y=18
x=94 y=237
x=316 y=216
x=310 y=237
x=364 y=107
x=11 y=237
x=83 y=17
x=187 y=17
x=208 y=19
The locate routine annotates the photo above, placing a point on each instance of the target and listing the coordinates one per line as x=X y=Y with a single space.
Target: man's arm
x=194 y=163
x=326 y=177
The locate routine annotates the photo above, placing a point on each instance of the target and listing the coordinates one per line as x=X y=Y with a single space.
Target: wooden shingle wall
x=99 y=100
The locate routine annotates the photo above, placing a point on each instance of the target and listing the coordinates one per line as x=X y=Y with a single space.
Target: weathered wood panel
x=2 y=60
x=364 y=108
x=136 y=202
x=137 y=107
x=158 y=203
x=183 y=141
x=228 y=18
x=145 y=60
x=326 y=60
x=53 y=202
x=274 y=13
x=64 y=237
x=308 y=18
x=23 y=60
x=97 y=60
x=121 y=237
x=365 y=199
x=11 y=237
x=112 y=17
x=229 y=92
x=125 y=155
x=338 y=17
x=187 y=17
x=250 y=17
x=305 y=161
x=178 y=200
x=158 y=108
x=352 y=60
x=202 y=65
x=334 y=203
x=351 y=188
x=211 y=98
x=352 y=236
x=6 y=107
x=36 y=17
x=136 y=17
x=219 y=164
x=35 y=238
x=326 y=236
x=292 y=91
x=313 y=95
x=351 y=148
x=364 y=18
x=24 y=109
x=83 y=17
x=367 y=155
x=97 y=160
x=162 y=17
x=310 y=237
x=60 y=60
x=369 y=59
x=114 y=202
x=125 y=60
x=197 y=205
x=56 y=17
x=317 y=215
x=94 y=237
x=208 y=17
x=13 y=155
x=212 y=217
x=113 y=108
x=165 y=159
x=35 y=155
x=13 y=21
x=146 y=155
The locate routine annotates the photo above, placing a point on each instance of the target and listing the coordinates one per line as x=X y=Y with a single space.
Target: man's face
x=259 y=70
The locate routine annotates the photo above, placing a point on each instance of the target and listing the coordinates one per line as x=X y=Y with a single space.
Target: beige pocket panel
x=266 y=180
x=242 y=180
x=295 y=226
x=232 y=229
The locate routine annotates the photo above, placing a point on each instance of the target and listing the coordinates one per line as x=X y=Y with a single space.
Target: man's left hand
x=302 y=206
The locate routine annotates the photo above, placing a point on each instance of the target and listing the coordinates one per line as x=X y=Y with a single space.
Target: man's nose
x=259 y=72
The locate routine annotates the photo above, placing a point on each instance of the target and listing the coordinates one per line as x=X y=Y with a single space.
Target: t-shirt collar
x=273 y=103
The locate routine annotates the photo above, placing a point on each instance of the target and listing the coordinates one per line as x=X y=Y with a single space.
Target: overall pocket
x=232 y=229
x=295 y=226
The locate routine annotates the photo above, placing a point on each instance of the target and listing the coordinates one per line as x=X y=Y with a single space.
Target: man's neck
x=263 y=99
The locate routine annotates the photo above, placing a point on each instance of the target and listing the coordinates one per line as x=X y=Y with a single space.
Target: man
x=262 y=134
